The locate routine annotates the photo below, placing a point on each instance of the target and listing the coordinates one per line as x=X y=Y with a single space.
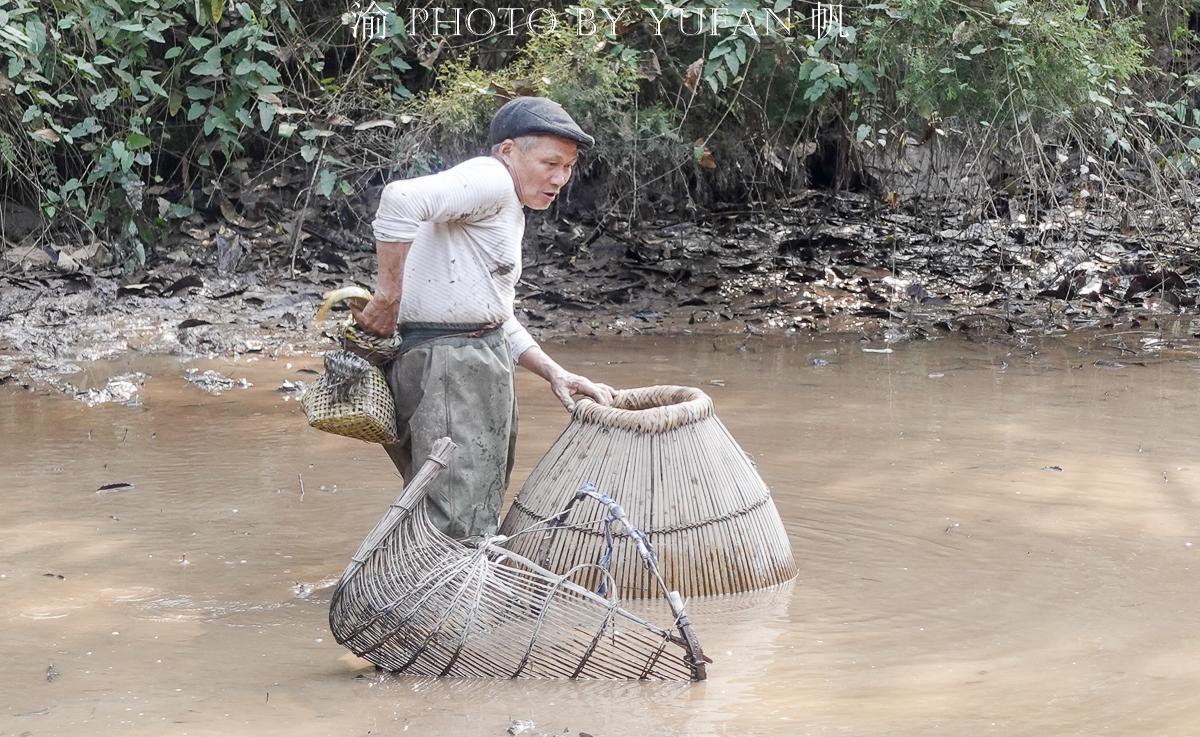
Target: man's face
x=540 y=166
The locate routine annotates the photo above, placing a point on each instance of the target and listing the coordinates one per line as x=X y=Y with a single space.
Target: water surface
x=989 y=541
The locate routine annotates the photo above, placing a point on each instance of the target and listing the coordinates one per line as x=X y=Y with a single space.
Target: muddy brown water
x=953 y=580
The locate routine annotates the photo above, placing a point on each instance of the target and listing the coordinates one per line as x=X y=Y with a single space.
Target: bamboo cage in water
x=664 y=456
x=413 y=600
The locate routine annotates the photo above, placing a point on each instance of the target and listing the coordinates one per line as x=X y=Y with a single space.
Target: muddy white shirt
x=466 y=226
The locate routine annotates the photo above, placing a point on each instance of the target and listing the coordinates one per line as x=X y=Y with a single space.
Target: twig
x=298 y=224
x=300 y=477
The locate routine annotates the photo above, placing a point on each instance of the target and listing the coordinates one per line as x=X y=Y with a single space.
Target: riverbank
x=821 y=264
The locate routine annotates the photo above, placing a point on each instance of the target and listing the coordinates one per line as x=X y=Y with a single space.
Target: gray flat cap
x=535 y=116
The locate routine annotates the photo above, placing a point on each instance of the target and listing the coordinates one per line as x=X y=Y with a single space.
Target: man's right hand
x=379 y=316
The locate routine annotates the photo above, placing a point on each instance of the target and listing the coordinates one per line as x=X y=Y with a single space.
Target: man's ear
x=506 y=148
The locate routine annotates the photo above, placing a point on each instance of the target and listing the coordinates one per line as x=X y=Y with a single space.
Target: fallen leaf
x=692 y=76
x=114 y=488
x=46 y=134
x=369 y=124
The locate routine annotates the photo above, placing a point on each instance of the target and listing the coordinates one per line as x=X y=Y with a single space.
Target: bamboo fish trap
x=663 y=455
x=413 y=600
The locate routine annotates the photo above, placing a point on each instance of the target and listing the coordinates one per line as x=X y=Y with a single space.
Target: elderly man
x=449 y=257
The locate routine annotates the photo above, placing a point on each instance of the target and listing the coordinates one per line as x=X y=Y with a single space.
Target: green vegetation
x=119 y=116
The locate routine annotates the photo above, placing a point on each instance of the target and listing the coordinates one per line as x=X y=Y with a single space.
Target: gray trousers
x=460 y=387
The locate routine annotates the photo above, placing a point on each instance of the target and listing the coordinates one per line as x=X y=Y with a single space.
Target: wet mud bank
x=821 y=264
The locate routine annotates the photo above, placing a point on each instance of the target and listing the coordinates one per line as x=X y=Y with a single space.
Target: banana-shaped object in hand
x=357 y=296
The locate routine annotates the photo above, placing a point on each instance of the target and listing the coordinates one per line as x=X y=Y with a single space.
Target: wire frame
x=413 y=600
x=682 y=479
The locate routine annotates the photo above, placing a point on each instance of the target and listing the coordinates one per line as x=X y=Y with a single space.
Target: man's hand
x=379 y=316
x=566 y=386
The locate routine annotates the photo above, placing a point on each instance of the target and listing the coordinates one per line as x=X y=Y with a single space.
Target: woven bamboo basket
x=665 y=457
x=415 y=601
x=368 y=414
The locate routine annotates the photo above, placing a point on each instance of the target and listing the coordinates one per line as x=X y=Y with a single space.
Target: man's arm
x=379 y=316
x=563 y=383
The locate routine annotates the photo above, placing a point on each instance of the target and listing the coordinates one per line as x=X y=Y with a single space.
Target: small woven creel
x=352 y=398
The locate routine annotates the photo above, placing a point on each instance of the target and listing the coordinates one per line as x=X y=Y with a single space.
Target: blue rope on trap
x=616 y=514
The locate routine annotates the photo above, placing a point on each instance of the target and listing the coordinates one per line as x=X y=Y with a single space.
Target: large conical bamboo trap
x=683 y=480
x=413 y=600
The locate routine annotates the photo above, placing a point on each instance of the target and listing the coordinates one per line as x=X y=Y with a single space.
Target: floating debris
x=121 y=389
x=292 y=390
x=215 y=383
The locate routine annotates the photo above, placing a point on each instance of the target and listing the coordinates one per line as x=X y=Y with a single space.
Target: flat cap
x=535 y=116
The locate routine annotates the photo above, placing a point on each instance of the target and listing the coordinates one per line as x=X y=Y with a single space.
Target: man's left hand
x=566 y=386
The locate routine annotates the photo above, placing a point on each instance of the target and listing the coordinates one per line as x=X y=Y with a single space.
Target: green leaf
x=198 y=42
x=267 y=71
x=1194 y=144
x=104 y=98
x=216 y=9
x=130 y=25
x=36 y=30
x=266 y=115
x=173 y=52
x=136 y=140
x=211 y=66
x=122 y=155
x=977 y=49
x=821 y=69
x=198 y=93
x=816 y=90
x=85 y=127
x=732 y=62
x=195 y=111
x=154 y=32
x=244 y=67
x=308 y=152
x=325 y=183
x=861 y=134
x=152 y=84
x=86 y=67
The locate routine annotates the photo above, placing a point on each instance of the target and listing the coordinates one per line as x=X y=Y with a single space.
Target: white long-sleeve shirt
x=466 y=226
